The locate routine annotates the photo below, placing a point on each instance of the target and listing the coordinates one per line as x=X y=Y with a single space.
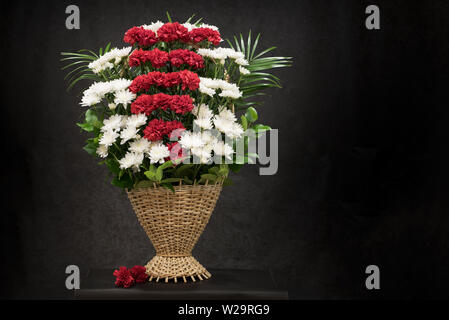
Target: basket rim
x=157 y=187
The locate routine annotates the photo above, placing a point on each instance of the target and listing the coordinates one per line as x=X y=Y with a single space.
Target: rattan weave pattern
x=174 y=222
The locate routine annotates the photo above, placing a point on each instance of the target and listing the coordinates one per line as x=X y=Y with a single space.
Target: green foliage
x=258 y=79
x=77 y=65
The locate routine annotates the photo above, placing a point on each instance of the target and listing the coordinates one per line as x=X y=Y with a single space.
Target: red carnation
x=139 y=274
x=157 y=129
x=136 y=58
x=200 y=34
x=183 y=56
x=173 y=31
x=143 y=104
x=140 y=36
x=123 y=278
x=189 y=79
x=181 y=104
x=171 y=79
x=158 y=58
x=176 y=151
x=162 y=101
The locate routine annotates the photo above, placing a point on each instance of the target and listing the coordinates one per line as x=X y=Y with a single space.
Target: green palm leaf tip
x=77 y=65
x=258 y=64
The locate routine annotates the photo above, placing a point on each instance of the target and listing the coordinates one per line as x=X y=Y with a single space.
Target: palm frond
x=258 y=79
x=77 y=65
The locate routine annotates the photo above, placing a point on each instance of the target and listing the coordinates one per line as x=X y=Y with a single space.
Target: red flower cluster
x=127 y=278
x=148 y=103
x=171 y=32
x=186 y=78
x=159 y=58
x=183 y=56
x=201 y=34
x=140 y=36
x=157 y=129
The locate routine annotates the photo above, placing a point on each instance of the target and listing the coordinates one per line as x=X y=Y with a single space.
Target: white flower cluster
x=154 y=26
x=97 y=91
x=202 y=144
x=126 y=128
x=109 y=59
x=224 y=53
x=128 y=125
x=228 y=90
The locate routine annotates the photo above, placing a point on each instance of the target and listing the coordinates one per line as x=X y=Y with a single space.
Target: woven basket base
x=171 y=268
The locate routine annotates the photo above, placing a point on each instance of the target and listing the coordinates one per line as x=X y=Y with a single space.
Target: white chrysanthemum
x=113 y=123
x=203 y=123
x=202 y=111
x=204 y=153
x=108 y=138
x=191 y=140
x=223 y=149
x=207 y=138
x=140 y=146
x=128 y=133
x=136 y=120
x=158 y=153
x=98 y=90
x=131 y=160
x=222 y=124
x=227 y=114
x=102 y=151
x=154 y=26
x=206 y=90
x=229 y=90
x=241 y=61
x=124 y=97
x=236 y=131
x=120 y=84
x=243 y=70
x=91 y=99
x=189 y=26
x=112 y=106
x=231 y=94
x=109 y=59
x=203 y=25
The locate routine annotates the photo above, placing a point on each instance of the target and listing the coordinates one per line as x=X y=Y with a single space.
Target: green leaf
x=86 y=126
x=208 y=177
x=144 y=184
x=168 y=16
x=169 y=187
x=251 y=114
x=151 y=175
x=91 y=149
x=184 y=170
x=124 y=183
x=258 y=128
x=227 y=182
x=235 y=167
x=244 y=122
x=113 y=166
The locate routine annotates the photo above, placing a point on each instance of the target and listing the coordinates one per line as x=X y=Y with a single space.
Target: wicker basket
x=174 y=222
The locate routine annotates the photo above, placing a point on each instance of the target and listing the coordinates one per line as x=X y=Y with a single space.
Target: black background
x=363 y=128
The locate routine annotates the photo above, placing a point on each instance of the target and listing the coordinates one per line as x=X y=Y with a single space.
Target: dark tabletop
x=224 y=284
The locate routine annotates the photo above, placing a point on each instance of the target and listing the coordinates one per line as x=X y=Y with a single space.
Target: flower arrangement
x=173 y=105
